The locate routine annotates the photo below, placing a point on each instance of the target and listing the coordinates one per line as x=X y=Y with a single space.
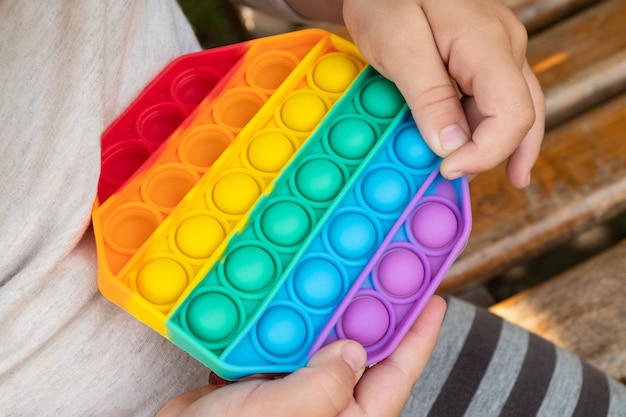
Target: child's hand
x=420 y=44
x=334 y=383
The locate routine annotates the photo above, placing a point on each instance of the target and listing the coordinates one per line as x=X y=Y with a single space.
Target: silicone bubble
x=367 y=320
x=401 y=273
x=269 y=151
x=302 y=111
x=167 y=185
x=162 y=280
x=202 y=147
x=271 y=69
x=235 y=192
x=198 y=235
x=121 y=160
x=380 y=98
x=190 y=87
x=285 y=223
x=318 y=283
x=129 y=227
x=352 y=235
x=238 y=106
x=351 y=138
x=385 y=190
x=319 y=180
x=283 y=331
x=411 y=150
x=158 y=122
x=250 y=269
x=434 y=225
x=214 y=316
x=334 y=72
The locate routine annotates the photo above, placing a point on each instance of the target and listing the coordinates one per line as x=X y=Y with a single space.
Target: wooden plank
x=574 y=43
x=537 y=14
x=579 y=181
x=583 y=90
x=580 y=61
x=580 y=177
x=583 y=310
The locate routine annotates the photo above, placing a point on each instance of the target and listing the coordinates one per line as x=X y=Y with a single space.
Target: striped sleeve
x=484 y=366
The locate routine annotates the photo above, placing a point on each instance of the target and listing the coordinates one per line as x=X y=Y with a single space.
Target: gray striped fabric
x=484 y=366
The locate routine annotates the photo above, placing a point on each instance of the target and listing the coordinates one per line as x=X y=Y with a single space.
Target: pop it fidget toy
x=260 y=200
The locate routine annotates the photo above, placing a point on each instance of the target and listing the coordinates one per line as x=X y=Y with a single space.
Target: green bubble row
x=282 y=224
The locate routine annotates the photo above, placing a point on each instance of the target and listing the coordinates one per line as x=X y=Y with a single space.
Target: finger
x=323 y=388
x=386 y=387
x=178 y=404
x=415 y=65
x=521 y=162
x=524 y=157
x=423 y=79
x=502 y=96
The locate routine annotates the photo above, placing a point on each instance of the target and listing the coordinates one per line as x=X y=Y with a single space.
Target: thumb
x=416 y=66
x=423 y=79
x=323 y=389
x=326 y=386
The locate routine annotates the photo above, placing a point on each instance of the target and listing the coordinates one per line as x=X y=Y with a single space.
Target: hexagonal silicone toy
x=261 y=200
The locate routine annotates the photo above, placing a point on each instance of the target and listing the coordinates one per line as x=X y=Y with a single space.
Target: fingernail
x=354 y=355
x=452 y=138
x=453 y=175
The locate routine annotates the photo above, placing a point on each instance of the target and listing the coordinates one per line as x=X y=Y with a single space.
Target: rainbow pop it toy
x=260 y=200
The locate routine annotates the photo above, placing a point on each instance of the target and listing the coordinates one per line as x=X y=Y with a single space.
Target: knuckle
x=519 y=36
x=334 y=391
x=484 y=163
x=525 y=117
x=435 y=100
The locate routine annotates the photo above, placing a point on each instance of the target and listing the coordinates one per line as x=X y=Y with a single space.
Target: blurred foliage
x=216 y=22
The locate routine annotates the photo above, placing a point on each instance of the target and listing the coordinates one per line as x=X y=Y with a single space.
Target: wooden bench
x=580 y=177
x=582 y=310
x=578 y=51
